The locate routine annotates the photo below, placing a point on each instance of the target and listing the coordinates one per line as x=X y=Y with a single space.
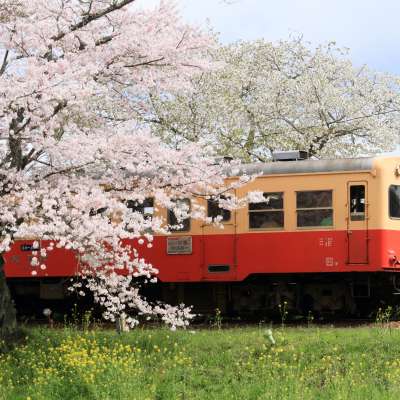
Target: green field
x=305 y=363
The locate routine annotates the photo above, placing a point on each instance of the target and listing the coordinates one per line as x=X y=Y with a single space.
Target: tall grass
x=305 y=363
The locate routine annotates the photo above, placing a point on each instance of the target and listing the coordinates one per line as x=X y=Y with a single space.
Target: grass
x=305 y=363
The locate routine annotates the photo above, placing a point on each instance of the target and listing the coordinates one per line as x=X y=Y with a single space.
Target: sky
x=369 y=28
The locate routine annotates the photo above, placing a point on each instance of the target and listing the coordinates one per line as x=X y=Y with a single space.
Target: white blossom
x=284 y=96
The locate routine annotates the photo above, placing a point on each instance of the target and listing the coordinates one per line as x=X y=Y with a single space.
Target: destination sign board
x=179 y=245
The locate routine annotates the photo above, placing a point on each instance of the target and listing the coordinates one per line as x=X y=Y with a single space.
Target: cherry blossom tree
x=284 y=96
x=74 y=76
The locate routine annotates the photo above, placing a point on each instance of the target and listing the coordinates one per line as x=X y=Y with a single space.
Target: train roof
x=308 y=166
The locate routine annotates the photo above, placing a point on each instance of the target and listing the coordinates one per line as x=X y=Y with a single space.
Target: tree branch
x=4 y=63
x=87 y=19
x=150 y=62
x=66 y=170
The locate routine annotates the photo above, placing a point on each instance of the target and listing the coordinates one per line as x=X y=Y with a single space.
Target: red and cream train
x=326 y=240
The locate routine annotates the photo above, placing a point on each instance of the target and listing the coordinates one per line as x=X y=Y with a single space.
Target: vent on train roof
x=293 y=155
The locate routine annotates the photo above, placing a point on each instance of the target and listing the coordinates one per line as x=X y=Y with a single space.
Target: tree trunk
x=8 y=321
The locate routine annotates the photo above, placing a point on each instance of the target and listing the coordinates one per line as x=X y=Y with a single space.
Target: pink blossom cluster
x=75 y=77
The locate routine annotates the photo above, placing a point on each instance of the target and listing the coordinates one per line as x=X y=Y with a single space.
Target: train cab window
x=314 y=208
x=394 y=201
x=172 y=220
x=268 y=214
x=146 y=207
x=357 y=203
x=214 y=210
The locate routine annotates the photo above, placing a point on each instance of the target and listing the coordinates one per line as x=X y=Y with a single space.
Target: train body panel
x=320 y=217
x=232 y=257
x=58 y=262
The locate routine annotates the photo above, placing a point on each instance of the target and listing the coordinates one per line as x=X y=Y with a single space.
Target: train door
x=357 y=222
x=219 y=247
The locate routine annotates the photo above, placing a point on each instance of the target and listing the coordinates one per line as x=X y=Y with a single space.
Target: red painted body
x=246 y=254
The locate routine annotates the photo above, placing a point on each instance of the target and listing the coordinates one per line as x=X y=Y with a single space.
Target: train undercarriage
x=259 y=297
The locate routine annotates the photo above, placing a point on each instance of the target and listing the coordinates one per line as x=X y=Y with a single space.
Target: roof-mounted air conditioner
x=293 y=155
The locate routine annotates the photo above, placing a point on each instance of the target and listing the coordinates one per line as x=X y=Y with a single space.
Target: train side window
x=146 y=207
x=268 y=214
x=172 y=220
x=394 y=201
x=314 y=208
x=357 y=203
x=214 y=210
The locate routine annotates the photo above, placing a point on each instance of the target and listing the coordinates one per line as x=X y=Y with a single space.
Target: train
x=326 y=241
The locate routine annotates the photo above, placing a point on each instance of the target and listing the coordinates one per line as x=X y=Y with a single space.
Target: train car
x=326 y=240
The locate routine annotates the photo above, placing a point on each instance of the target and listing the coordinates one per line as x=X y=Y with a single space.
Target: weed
x=81 y=319
x=383 y=316
x=310 y=319
x=216 y=321
x=283 y=312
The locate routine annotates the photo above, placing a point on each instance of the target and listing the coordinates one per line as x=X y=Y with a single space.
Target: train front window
x=268 y=214
x=357 y=203
x=314 y=208
x=183 y=225
x=394 y=201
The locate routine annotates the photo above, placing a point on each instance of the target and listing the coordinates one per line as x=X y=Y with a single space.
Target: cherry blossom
x=286 y=95
x=75 y=78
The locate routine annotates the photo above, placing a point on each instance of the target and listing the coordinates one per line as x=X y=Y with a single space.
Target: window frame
x=223 y=221
x=169 y=211
x=279 y=228
x=314 y=227
x=135 y=208
x=357 y=214
x=146 y=215
x=390 y=217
